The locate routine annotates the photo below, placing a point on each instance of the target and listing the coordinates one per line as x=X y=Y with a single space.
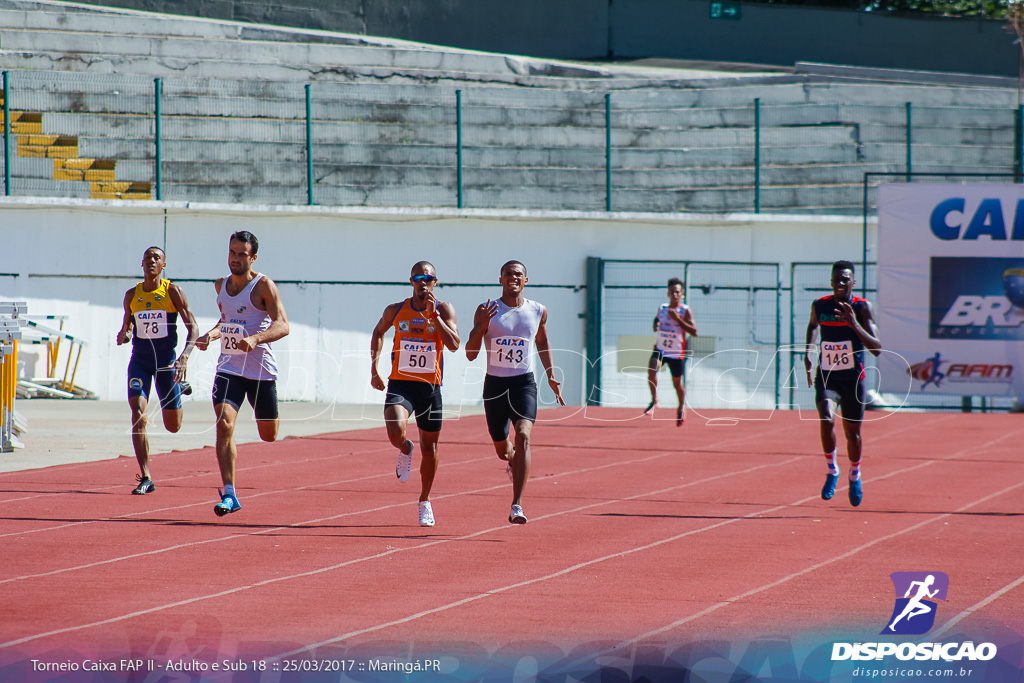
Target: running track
x=643 y=538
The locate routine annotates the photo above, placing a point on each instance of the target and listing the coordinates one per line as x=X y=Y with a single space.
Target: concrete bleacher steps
x=62 y=151
x=233 y=127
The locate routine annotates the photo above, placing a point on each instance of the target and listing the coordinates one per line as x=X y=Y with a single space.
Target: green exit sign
x=725 y=10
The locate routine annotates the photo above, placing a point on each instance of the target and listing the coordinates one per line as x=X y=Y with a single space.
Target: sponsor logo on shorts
x=135 y=383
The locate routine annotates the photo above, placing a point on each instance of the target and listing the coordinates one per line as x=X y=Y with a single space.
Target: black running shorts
x=508 y=400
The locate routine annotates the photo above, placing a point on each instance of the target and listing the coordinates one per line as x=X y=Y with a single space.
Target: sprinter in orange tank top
x=423 y=327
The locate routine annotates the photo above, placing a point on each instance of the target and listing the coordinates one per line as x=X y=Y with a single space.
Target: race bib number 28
x=836 y=356
x=230 y=335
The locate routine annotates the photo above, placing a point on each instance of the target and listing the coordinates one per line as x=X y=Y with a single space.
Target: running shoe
x=856 y=493
x=650 y=407
x=145 y=486
x=186 y=388
x=516 y=516
x=680 y=417
x=227 y=504
x=829 y=489
x=426 y=513
x=404 y=465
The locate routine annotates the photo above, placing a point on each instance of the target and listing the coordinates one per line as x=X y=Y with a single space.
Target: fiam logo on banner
x=977 y=298
x=914 y=613
x=935 y=370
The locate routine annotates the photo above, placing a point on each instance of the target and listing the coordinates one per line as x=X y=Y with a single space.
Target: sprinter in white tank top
x=251 y=317
x=512 y=328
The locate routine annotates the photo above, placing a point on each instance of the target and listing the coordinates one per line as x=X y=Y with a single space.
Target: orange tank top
x=416 y=354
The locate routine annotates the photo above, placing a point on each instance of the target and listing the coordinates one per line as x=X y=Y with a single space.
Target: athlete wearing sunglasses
x=423 y=328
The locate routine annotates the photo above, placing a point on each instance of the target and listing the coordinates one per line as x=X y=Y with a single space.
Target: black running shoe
x=145 y=486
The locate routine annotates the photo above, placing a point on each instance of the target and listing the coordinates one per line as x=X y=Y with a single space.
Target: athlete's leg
x=521 y=462
x=140 y=441
x=428 y=463
x=853 y=441
x=653 y=365
x=226 y=450
x=396 y=419
x=826 y=425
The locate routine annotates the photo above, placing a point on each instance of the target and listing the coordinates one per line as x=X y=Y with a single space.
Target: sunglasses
x=424 y=278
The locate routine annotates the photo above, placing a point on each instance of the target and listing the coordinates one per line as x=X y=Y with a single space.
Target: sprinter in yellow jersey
x=151 y=310
x=423 y=327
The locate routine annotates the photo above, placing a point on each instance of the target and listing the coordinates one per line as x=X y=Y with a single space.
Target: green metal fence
x=715 y=149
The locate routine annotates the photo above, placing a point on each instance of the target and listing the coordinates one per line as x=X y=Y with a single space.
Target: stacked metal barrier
x=12 y=318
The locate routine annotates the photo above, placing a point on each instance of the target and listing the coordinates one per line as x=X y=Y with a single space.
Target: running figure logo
x=914 y=613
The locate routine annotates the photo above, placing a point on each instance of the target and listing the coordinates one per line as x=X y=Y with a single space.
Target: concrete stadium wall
x=682 y=29
x=338 y=268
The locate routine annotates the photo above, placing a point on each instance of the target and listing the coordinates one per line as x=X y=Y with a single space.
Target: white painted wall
x=78 y=257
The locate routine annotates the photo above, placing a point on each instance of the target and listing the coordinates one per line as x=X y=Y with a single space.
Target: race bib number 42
x=417 y=357
x=151 y=324
x=836 y=356
x=511 y=353
x=669 y=341
x=230 y=335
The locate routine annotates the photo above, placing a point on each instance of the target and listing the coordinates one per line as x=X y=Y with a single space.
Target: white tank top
x=509 y=340
x=671 y=339
x=240 y=318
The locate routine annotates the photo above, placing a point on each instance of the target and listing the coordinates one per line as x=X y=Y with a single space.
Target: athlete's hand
x=556 y=387
x=431 y=305
x=376 y=382
x=845 y=311
x=485 y=314
x=808 y=366
x=123 y=337
x=180 y=367
x=247 y=344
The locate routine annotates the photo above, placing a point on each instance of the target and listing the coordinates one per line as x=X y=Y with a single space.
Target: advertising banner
x=951 y=289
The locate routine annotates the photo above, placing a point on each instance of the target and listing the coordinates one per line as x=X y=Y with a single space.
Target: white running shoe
x=516 y=516
x=404 y=465
x=426 y=513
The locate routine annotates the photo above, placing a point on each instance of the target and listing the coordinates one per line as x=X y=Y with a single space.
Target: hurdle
x=11 y=321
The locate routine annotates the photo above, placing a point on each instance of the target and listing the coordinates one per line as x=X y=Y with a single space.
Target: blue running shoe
x=856 y=493
x=227 y=504
x=829 y=489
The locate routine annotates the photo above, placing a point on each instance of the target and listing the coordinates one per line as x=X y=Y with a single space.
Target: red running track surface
x=641 y=535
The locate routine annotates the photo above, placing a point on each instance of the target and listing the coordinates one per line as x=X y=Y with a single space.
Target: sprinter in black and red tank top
x=847 y=328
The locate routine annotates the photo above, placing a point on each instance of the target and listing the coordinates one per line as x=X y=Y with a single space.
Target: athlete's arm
x=685 y=321
x=180 y=302
x=544 y=351
x=481 y=321
x=863 y=325
x=265 y=293
x=654 y=325
x=203 y=342
x=124 y=335
x=446 y=324
x=377 y=342
x=812 y=327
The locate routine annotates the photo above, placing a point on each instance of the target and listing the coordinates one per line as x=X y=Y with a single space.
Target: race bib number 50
x=417 y=357
x=836 y=356
x=511 y=353
x=230 y=335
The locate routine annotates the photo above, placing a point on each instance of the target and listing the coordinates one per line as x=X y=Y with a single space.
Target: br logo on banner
x=916 y=596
